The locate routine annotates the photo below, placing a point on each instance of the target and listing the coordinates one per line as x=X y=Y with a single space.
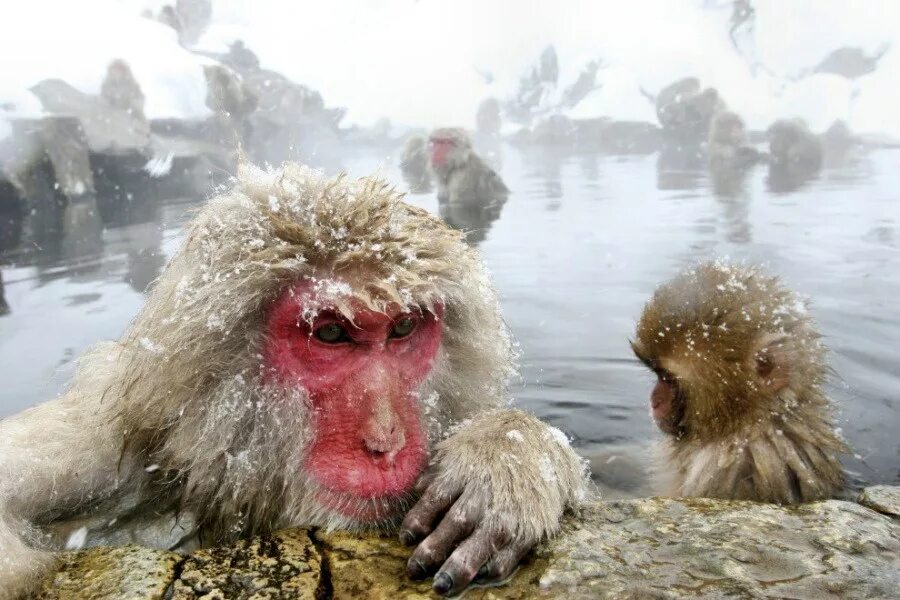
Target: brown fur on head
x=791 y=141
x=192 y=389
x=738 y=345
x=739 y=369
x=727 y=128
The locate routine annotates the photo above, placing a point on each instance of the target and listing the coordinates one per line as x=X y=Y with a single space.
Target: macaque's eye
x=332 y=333
x=403 y=327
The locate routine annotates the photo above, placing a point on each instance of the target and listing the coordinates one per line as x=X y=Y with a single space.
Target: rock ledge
x=645 y=548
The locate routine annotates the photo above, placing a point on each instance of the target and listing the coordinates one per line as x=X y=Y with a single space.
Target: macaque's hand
x=496 y=489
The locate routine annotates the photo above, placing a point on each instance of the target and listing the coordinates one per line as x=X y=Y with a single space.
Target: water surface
x=577 y=249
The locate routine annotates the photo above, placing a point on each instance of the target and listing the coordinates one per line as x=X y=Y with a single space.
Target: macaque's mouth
x=661 y=407
x=360 y=478
x=365 y=510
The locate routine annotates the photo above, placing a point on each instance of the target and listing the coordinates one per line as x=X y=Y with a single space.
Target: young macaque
x=414 y=164
x=461 y=175
x=316 y=353
x=738 y=395
x=728 y=149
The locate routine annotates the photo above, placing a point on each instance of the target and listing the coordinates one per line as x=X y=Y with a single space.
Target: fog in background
x=424 y=63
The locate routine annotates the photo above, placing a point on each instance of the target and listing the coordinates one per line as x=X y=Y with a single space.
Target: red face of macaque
x=667 y=405
x=440 y=149
x=362 y=378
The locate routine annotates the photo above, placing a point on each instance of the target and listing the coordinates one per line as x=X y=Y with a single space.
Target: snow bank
x=75 y=41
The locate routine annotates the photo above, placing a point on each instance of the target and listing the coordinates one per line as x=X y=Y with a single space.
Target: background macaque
x=685 y=110
x=487 y=119
x=229 y=96
x=728 y=148
x=315 y=352
x=414 y=164
x=460 y=174
x=795 y=153
x=4 y=307
x=121 y=89
x=738 y=394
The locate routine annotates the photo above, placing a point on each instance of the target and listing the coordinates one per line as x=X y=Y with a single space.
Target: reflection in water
x=572 y=280
x=784 y=179
x=729 y=186
x=679 y=166
x=474 y=218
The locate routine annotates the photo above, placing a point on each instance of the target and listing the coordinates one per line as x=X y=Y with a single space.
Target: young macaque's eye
x=403 y=327
x=332 y=333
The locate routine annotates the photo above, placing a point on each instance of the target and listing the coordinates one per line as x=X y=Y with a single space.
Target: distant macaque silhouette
x=459 y=173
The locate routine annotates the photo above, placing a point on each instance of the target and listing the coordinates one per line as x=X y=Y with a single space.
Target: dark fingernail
x=416 y=570
x=407 y=538
x=443 y=583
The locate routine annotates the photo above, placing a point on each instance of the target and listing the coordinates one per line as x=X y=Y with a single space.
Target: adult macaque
x=795 y=152
x=414 y=164
x=728 y=148
x=227 y=94
x=685 y=110
x=121 y=89
x=315 y=350
x=739 y=371
x=461 y=175
x=487 y=118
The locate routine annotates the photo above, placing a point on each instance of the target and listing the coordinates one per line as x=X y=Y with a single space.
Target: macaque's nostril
x=385 y=447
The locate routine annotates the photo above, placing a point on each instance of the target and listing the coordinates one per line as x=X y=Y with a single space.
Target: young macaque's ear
x=771 y=361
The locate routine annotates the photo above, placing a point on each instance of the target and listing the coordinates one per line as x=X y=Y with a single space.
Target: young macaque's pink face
x=362 y=376
x=440 y=149
x=666 y=404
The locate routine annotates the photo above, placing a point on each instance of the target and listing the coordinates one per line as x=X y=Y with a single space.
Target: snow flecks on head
x=515 y=435
x=558 y=436
x=148 y=345
x=548 y=471
x=77 y=539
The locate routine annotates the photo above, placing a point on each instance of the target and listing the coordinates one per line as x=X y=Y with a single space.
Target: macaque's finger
x=462 y=566
x=419 y=520
x=434 y=550
x=504 y=562
x=424 y=481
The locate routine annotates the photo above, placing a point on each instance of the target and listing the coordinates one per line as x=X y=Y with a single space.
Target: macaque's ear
x=771 y=361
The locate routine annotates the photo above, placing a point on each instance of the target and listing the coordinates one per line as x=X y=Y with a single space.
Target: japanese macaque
x=685 y=110
x=121 y=89
x=739 y=371
x=227 y=94
x=414 y=164
x=795 y=152
x=728 y=148
x=317 y=353
x=4 y=307
x=487 y=119
x=461 y=175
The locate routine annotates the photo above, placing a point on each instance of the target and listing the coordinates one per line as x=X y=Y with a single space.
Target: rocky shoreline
x=642 y=548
